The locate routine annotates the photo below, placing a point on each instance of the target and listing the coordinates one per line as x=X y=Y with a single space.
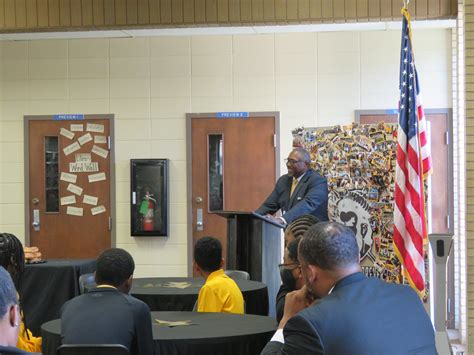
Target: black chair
x=92 y=349
x=86 y=282
x=237 y=274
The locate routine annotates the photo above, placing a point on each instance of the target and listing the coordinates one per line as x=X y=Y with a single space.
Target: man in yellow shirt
x=220 y=293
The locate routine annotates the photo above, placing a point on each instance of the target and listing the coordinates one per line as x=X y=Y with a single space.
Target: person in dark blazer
x=301 y=191
x=107 y=314
x=355 y=315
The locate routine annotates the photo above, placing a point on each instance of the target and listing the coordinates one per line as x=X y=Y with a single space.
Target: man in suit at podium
x=301 y=191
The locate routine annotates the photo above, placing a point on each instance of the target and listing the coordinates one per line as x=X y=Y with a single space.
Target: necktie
x=293 y=186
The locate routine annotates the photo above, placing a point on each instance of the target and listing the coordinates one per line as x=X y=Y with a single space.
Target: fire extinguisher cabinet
x=149 y=197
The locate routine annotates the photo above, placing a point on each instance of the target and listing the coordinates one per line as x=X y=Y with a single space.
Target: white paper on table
x=85 y=138
x=68 y=200
x=71 y=148
x=100 y=139
x=100 y=151
x=68 y=177
x=75 y=189
x=97 y=210
x=90 y=200
x=66 y=133
x=93 y=127
x=77 y=127
x=75 y=211
x=97 y=177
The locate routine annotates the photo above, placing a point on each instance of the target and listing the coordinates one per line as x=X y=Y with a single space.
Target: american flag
x=413 y=163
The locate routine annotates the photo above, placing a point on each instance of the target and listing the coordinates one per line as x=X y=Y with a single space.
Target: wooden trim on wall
x=68 y=15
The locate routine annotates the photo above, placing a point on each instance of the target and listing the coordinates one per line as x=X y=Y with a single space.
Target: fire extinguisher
x=147 y=210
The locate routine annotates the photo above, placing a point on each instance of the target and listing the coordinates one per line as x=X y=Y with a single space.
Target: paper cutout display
x=66 y=133
x=68 y=177
x=74 y=189
x=98 y=128
x=77 y=127
x=83 y=157
x=75 y=211
x=97 y=177
x=68 y=200
x=100 y=139
x=97 y=210
x=90 y=200
x=83 y=167
x=71 y=148
x=85 y=138
x=100 y=151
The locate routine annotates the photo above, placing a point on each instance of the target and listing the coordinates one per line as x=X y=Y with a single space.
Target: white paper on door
x=71 y=148
x=97 y=177
x=90 y=200
x=66 y=133
x=97 y=210
x=68 y=177
x=93 y=127
x=74 y=189
x=100 y=151
x=68 y=200
x=75 y=211
x=85 y=138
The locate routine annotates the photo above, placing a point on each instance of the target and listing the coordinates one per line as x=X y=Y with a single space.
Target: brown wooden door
x=441 y=178
x=233 y=169
x=69 y=187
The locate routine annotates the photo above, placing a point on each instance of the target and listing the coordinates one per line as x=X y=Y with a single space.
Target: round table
x=157 y=294
x=45 y=287
x=209 y=333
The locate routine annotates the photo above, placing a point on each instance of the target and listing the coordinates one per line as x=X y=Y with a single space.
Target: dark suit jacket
x=310 y=197
x=361 y=316
x=107 y=316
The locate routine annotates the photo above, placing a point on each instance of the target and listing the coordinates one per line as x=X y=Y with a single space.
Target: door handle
x=36 y=220
x=199 y=222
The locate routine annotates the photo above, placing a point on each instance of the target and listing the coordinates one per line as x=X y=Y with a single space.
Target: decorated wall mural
x=359 y=163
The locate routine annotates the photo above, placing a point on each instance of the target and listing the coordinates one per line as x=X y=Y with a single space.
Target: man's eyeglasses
x=285 y=266
x=292 y=161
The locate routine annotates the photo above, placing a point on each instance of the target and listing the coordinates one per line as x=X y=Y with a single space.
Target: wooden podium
x=254 y=245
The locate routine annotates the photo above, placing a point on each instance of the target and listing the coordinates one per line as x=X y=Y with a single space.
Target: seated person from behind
x=220 y=293
x=107 y=314
x=9 y=315
x=12 y=258
x=290 y=270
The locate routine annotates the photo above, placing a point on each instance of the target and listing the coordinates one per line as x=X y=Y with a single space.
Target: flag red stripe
x=409 y=225
x=415 y=275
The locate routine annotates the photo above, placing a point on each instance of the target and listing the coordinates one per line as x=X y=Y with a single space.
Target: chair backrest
x=92 y=349
x=237 y=274
x=86 y=282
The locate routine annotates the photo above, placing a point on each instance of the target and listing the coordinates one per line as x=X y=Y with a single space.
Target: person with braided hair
x=299 y=226
x=290 y=271
x=12 y=258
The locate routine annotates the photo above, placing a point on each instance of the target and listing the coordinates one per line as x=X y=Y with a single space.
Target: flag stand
x=440 y=248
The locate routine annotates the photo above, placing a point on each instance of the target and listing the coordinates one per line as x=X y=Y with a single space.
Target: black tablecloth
x=210 y=333
x=160 y=298
x=45 y=287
